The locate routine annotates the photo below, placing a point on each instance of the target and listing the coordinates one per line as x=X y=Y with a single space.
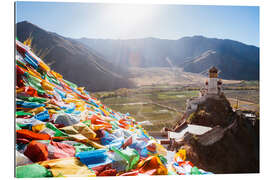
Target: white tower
x=213 y=81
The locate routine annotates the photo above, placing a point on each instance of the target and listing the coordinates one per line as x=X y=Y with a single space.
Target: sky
x=127 y=21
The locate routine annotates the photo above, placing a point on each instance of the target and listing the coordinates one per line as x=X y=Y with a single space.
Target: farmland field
x=164 y=105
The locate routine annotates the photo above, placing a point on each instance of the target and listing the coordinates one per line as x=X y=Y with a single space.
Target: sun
x=128 y=16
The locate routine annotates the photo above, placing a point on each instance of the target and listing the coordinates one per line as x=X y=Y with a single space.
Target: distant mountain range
x=102 y=64
x=74 y=60
x=195 y=54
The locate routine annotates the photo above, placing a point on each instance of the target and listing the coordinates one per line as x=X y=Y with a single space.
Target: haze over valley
x=105 y=64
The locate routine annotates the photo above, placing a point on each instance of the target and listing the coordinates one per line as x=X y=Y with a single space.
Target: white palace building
x=212 y=87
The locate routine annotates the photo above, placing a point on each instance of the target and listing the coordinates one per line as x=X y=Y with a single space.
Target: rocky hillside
x=232 y=146
x=214 y=111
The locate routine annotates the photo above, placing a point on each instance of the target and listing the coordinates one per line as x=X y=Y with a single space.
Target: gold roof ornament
x=213 y=72
x=213 y=69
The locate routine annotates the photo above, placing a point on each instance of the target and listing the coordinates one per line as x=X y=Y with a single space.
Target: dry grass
x=168 y=76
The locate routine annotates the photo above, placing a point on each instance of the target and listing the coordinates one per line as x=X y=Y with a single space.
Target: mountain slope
x=231 y=57
x=74 y=60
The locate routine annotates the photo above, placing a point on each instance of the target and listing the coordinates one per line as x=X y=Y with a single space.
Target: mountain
x=195 y=54
x=73 y=59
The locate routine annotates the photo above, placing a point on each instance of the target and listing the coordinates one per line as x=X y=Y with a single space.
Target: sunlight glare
x=129 y=16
